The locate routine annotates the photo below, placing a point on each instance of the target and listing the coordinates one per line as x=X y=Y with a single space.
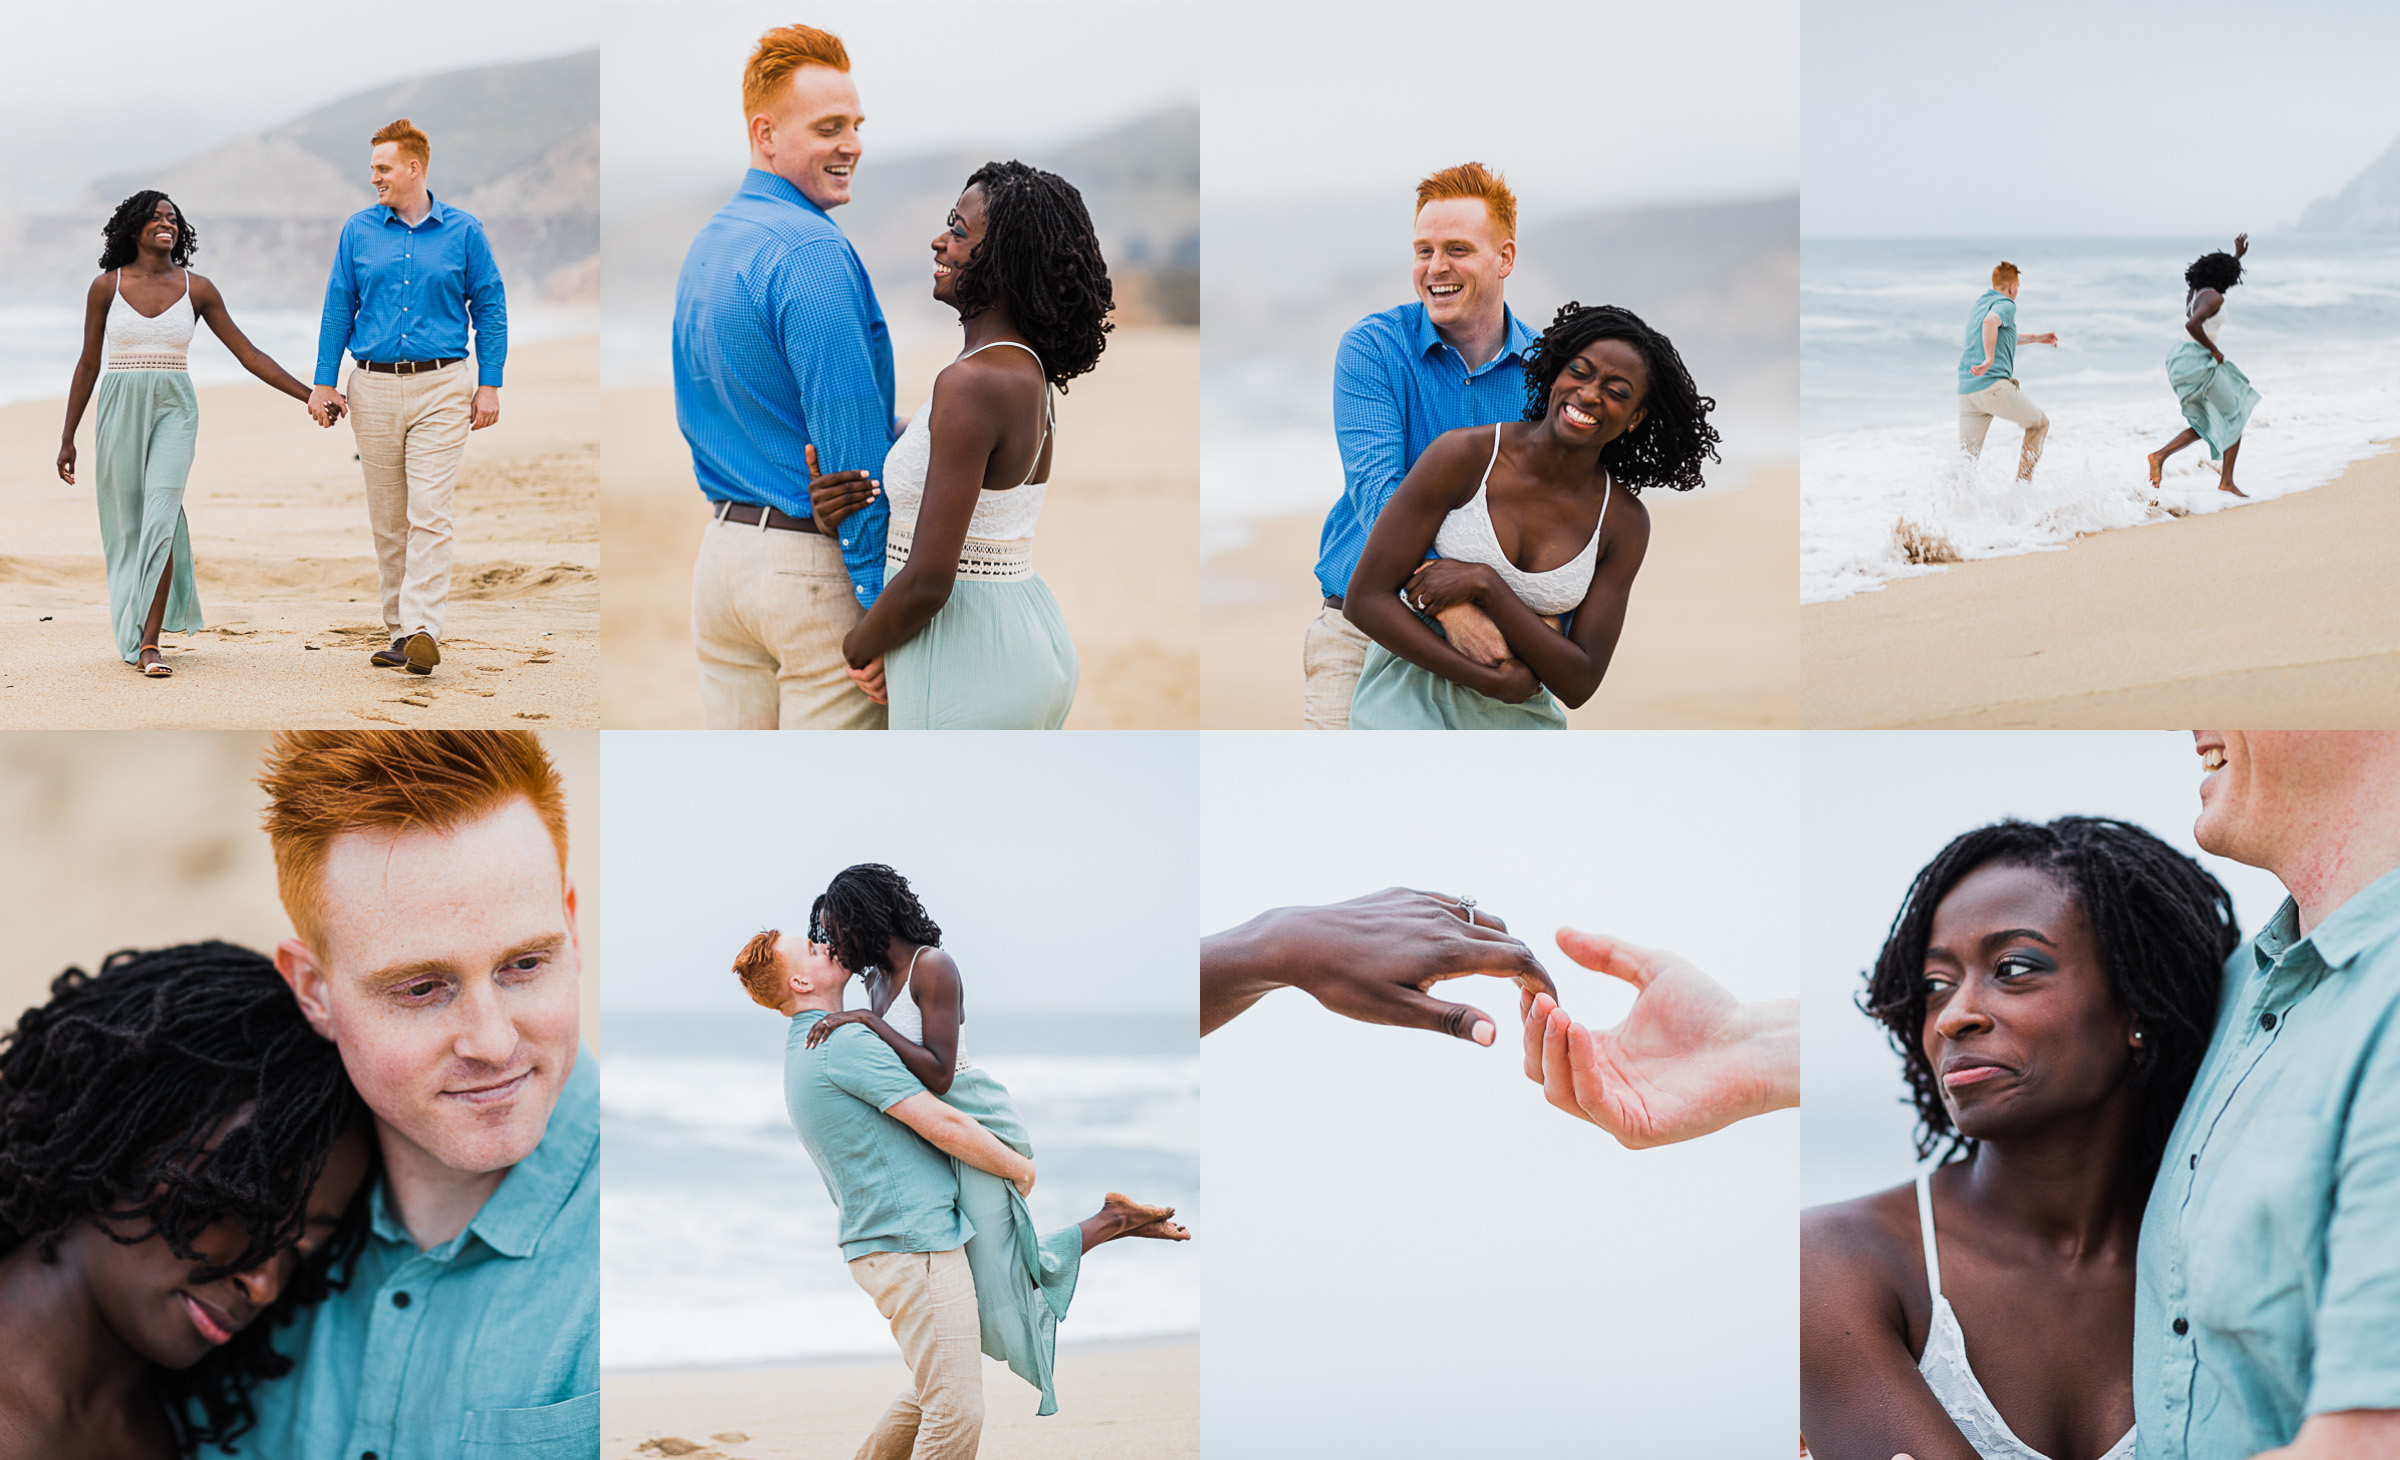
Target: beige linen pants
x=2005 y=400
x=411 y=432
x=769 y=609
x=930 y=1299
x=1332 y=657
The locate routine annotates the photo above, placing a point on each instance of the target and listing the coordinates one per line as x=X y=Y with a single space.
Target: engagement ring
x=1466 y=905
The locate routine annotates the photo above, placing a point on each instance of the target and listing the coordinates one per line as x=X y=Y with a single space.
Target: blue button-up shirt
x=485 y=1346
x=2268 y=1285
x=403 y=293
x=779 y=344
x=1396 y=385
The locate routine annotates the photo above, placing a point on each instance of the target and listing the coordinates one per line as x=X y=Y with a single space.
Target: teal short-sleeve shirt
x=2004 y=350
x=895 y=1192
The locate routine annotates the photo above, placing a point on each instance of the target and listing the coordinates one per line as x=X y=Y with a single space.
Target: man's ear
x=297 y=962
x=574 y=934
x=1508 y=257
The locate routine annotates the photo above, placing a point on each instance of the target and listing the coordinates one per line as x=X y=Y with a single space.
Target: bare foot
x=1163 y=1230
x=1120 y=1216
x=2228 y=486
x=2156 y=466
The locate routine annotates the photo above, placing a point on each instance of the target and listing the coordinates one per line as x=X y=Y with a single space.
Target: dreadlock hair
x=1666 y=449
x=2218 y=270
x=869 y=904
x=123 y=231
x=110 y=1097
x=1040 y=257
x=2164 y=928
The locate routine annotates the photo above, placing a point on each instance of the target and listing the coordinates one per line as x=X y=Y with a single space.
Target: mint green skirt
x=997 y=657
x=1024 y=1279
x=148 y=424
x=2216 y=399
x=1394 y=694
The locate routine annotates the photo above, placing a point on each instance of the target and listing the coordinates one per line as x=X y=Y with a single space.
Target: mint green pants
x=1024 y=1279
x=148 y=424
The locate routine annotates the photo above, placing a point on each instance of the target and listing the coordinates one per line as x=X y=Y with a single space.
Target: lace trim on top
x=1000 y=516
x=163 y=341
x=1468 y=536
x=905 y=1017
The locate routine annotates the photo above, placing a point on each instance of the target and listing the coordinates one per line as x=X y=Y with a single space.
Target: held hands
x=870 y=680
x=486 y=407
x=834 y=497
x=326 y=405
x=1689 y=1058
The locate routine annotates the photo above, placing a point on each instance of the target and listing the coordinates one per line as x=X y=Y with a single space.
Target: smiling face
x=1461 y=261
x=449 y=978
x=955 y=244
x=810 y=138
x=397 y=177
x=1601 y=393
x=159 y=233
x=2020 y=1025
x=148 y=1297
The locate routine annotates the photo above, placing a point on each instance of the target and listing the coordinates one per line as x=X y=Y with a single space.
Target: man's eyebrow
x=448 y=967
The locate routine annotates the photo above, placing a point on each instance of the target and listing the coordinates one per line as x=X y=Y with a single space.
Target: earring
x=2137 y=1036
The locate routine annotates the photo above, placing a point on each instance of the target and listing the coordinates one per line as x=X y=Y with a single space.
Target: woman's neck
x=1544 y=454
x=2072 y=1187
x=57 y=1342
x=990 y=327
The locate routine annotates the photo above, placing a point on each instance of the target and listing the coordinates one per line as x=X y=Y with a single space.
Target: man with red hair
x=1456 y=357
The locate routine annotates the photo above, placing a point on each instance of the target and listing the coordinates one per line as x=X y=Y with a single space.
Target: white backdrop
x=1410 y=1253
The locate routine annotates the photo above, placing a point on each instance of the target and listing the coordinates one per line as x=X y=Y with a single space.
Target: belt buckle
x=407 y=367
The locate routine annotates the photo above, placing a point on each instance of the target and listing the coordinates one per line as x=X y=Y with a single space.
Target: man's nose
x=486 y=1034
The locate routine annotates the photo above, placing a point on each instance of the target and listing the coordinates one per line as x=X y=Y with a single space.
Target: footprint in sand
x=378 y=715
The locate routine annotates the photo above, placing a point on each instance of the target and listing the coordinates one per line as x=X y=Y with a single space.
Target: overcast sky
x=89 y=90
x=1879 y=806
x=2063 y=117
x=930 y=75
x=1581 y=104
x=1060 y=867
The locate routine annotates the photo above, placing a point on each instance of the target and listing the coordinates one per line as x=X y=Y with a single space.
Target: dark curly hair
x=110 y=1094
x=2164 y=929
x=123 y=231
x=2219 y=271
x=1040 y=257
x=870 y=904
x=1666 y=449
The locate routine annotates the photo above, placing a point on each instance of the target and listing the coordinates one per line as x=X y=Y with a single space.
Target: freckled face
x=2019 y=1021
x=451 y=972
x=956 y=243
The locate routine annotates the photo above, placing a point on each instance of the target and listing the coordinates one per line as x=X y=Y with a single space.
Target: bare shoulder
x=998 y=376
x=937 y=966
x=103 y=288
x=1865 y=1240
x=203 y=290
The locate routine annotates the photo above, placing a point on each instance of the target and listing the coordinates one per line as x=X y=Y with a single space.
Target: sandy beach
x=1114 y=543
x=286 y=572
x=1712 y=637
x=1115 y=1402
x=2286 y=613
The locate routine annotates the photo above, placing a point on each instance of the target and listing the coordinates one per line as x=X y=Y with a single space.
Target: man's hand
x=486 y=407
x=833 y=497
x=1024 y=1183
x=326 y=405
x=1688 y=1059
x=2045 y=338
x=870 y=680
x=1979 y=369
x=1472 y=633
x=1372 y=959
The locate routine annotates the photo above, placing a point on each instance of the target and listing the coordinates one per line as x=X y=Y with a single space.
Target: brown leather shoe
x=396 y=657
x=422 y=653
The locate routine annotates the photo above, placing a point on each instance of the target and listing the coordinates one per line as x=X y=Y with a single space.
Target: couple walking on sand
x=820 y=599
x=410 y=275
x=925 y=1158
x=2216 y=397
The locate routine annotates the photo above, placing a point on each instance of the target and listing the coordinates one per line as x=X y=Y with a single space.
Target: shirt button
x=2182 y=1328
x=399 y=1300
x=2195 y=1160
x=2266 y=1021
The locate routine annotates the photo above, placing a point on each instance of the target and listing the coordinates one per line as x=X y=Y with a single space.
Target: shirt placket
x=391 y=1338
x=408 y=254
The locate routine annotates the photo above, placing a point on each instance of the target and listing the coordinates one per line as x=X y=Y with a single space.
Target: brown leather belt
x=407 y=367
x=1334 y=601
x=746 y=513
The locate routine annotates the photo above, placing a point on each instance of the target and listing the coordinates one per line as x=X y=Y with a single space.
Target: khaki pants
x=2005 y=400
x=769 y=609
x=930 y=1299
x=411 y=432
x=1331 y=656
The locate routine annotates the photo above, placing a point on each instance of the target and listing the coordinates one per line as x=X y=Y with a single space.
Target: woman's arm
x=253 y=359
x=1571 y=665
x=1443 y=478
x=2205 y=302
x=87 y=370
x=1861 y=1397
x=935 y=987
x=969 y=407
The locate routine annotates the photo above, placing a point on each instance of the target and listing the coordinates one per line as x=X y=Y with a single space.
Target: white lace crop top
x=138 y=341
x=1467 y=536
x=1945 y=1365
x=1000 y=516
x=905 y=1017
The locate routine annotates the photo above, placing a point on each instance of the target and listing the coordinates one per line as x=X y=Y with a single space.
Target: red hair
x=1473 y=180
x=756 y=967
x=781 y=52
x=404 y=135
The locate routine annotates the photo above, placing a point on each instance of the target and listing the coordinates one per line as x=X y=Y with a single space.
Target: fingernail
x=1483 y=1034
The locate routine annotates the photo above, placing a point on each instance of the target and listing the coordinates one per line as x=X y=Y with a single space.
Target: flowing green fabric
x=1394 y=694
x=2216 y=399
x=148 y=423
x=997 y=657
x=1024 y=1280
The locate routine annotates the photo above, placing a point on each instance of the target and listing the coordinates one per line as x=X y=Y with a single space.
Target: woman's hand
x=66 y=463
x=2241 y=244
x=1441 y=583
x=831 y=1022
x=869 y=679
x=835 y=497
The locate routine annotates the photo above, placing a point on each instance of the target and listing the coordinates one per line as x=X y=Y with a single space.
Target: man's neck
x=414 y=212
x=433 y=1201
x=1479 y=341
x=2328 y=872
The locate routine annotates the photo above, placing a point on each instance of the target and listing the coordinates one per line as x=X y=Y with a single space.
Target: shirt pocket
x=569 y=1431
